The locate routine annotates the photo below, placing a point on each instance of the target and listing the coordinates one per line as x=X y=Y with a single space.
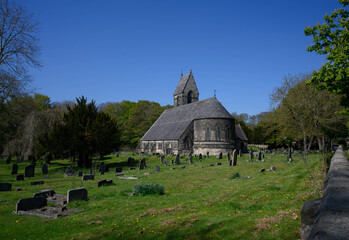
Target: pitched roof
x=240 y=133
x=174 y=121
x=181 y=84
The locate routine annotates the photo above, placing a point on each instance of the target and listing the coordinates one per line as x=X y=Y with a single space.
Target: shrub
x=235 y=175
x=148 y=188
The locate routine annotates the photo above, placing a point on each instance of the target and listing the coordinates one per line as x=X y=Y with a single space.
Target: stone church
x=193 y=126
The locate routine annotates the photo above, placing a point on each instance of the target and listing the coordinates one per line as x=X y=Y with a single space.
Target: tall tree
x=332 y=40
x=19 y=48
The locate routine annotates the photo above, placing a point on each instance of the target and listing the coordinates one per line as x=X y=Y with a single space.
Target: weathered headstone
x=5 y=187
x=102 y=168
x=235 y=157
x=259 y=155
x=272 y=168
x=211 y=165
x=69 y=171
x=191 y=159
x=130 y=162
x=208 y=154
x=240 y=153
x=76 y=195
x=20 y=177
x=228 y=157
x=29 y=170
x=44 y=169
x=157 y=168
x=14 y=168
x=261 y=170
x=104 y=182
x=162 y=157
x=183 y=166
x=200 y=157
x=26 y=204
x=37 y=183
x=141 y=164
x=230 y=162
x=86 y=177
x=220 y=155
x=251 y=154
x=118 y=169
x=172 y=162
x=165 y=162
x=290 y=153
x=132 y=168
x=18 y=189
x=177 y=160
x=45 y=193
x=219 y=164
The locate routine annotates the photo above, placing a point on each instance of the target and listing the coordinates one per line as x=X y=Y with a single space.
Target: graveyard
x=208 y=199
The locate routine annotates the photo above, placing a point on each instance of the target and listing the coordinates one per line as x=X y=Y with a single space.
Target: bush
x=148 y=188
x=235 y=175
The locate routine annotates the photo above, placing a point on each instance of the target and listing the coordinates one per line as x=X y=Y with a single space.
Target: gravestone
x=37 y=183
x=18 y=189
x=157 y=168
x=102 y=168
x=69 y=171
x=191 y=159
x=20 y=177
x=118 y=169
x=228 y=157
x=240 y=153
x=211 y=165
x=183 y=166
x=219 y=164
x=177 y=160
x=165 y=162
x=86 y=177
x=162 y=158
x=5 y=187
x=44 y=169
x=259 y=155
x=251 y=154
x=208 y=154
x=26 y=204
x=142 y=164
x=235 y=157
x=290 y=153
x=130 y=161
x=80 y=174
x=45 y=193
x=172 y=162
x=8 y=160
x=104 y=182
x=29 y=170
x=220 y=155
x=261 y=170
x=272 y=168
x=14 y=168
x=132 y=168
x=263 y=156
x=76 y=195
x=230 y=162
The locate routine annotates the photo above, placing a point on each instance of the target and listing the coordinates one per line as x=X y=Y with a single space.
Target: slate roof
x=174 y=121
x=240 y=133
x=181 y=84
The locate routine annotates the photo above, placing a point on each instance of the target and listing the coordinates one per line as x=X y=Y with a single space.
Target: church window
x=208 y=133
x=159 y=145
x=218 y=133
x=190 y=97
x=227 y=133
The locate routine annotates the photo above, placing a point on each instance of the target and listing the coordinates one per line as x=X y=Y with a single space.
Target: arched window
x=208 y=133
x=227 y=133
x=190 y=97
x=218 y=133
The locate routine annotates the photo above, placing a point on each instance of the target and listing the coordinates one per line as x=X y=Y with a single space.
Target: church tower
x=186 y=91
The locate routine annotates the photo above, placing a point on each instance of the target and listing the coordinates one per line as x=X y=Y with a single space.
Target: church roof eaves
x=240 y=133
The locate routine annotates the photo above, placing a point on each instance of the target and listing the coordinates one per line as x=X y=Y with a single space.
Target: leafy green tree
x=332 y=39
x=42 y=102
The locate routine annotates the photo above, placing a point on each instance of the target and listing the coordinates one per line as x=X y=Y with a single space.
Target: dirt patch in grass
x=158 y=211
x=265 y=223
x=95 y=222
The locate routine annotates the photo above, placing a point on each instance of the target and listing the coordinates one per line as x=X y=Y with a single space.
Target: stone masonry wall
x=328 y=217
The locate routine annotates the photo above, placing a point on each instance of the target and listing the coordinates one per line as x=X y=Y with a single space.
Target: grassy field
x=200 y=202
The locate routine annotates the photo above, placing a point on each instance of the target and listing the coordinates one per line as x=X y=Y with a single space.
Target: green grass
x=199 y=203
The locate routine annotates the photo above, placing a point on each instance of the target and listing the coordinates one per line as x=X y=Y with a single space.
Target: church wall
x=186 y=140
x=206 y=139
x=159 y=146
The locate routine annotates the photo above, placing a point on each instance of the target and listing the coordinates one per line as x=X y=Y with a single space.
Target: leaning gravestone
x=165 y=162
x=220 y=155
x=29 y=170
x=14 y=168
x=76 y=195
x=157 y=168
x=235 y=157
x=141 y=164
x=5 y=187
x=69 y=171
x=177 y=160
x=44 y=169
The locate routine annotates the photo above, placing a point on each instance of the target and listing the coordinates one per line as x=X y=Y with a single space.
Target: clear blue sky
x=113 y=50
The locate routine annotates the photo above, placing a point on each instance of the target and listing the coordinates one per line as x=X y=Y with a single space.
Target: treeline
x=299 y=114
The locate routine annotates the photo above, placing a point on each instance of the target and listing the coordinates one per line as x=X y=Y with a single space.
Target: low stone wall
x=328 y=217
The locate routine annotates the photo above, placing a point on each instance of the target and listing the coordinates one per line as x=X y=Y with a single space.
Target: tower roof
x=182 y=83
